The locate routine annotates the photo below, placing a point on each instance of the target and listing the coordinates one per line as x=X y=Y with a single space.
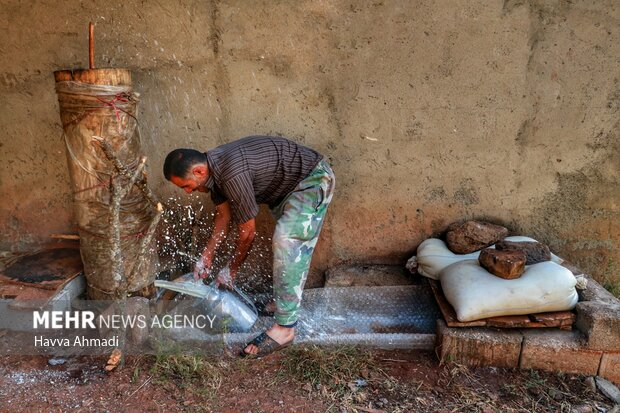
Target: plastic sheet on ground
x=383 y=317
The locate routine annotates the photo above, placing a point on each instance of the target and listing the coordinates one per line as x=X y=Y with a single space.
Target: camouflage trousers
x=299 y=220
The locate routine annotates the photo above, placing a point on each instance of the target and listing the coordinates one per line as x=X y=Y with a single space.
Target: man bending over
x=296 y=182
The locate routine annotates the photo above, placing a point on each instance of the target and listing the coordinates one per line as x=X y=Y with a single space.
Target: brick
x=560 y=351
x=478 y=346
x=600 y=322
x=610 y=367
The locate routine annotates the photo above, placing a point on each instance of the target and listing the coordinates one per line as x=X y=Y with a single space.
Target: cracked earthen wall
x=429 y=111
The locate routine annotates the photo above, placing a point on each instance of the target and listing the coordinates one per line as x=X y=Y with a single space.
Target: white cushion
x=433 y=256
x=475 y=293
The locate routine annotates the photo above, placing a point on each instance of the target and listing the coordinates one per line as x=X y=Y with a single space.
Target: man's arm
x=220 y=230
x=246 y=231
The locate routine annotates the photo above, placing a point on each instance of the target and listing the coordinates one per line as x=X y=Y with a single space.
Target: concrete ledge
x=563 y=351
x=370 y=275
x=596 y=293
x=610 y=367
x=600 y=322
x=478 y=346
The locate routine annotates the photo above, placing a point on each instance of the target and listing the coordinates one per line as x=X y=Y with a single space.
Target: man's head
x=187 y=169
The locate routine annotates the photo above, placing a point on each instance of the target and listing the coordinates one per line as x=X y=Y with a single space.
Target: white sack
x=433 y=256
x=475 y=293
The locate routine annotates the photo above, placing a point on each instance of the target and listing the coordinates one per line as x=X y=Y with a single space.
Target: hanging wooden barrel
x=101 y=102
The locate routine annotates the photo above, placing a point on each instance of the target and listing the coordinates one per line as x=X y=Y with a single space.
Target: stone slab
x=600 y=322
x=560 y=351
x=608 y=389
x=595 y=292
x=610 y=367
x=18 y=316
x=476 y=346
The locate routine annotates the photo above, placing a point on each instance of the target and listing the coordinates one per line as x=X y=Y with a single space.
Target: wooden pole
x=91 y=45
x=81 y=122
x=65 y=236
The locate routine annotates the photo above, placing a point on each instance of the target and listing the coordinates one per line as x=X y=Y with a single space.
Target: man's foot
x=281 y=335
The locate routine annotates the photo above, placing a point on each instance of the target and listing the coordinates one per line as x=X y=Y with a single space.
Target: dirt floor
x=300 y=379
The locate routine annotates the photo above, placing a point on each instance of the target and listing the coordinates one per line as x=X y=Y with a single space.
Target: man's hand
x=201 y=270
x=220 y=229
x=224 y=279
x=246 y=232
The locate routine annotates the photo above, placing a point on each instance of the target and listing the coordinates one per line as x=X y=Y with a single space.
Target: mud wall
x=429 y=111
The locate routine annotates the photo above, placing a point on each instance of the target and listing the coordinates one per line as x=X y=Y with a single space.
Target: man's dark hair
x=179 y=162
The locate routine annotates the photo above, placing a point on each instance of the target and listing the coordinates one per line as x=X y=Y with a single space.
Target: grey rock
x=56 y=361
x=600 y=322
x=472 y=236
x=585 y=408
x=608 y=389
x=590 y=384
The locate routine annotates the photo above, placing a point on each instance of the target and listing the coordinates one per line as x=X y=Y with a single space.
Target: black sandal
x=266 y=345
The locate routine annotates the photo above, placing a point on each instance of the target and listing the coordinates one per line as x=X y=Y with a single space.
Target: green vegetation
x=345 y=378
x=610 y=278
x=189 y=371
x=334 y=368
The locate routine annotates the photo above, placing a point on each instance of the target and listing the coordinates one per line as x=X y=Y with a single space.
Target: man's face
x=189 y=185
x=194 y=181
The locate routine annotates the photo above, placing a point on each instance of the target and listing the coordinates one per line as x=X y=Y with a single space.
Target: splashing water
x=184 y=233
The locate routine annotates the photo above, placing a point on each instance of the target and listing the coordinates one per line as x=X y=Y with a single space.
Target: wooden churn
x=101 y=104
